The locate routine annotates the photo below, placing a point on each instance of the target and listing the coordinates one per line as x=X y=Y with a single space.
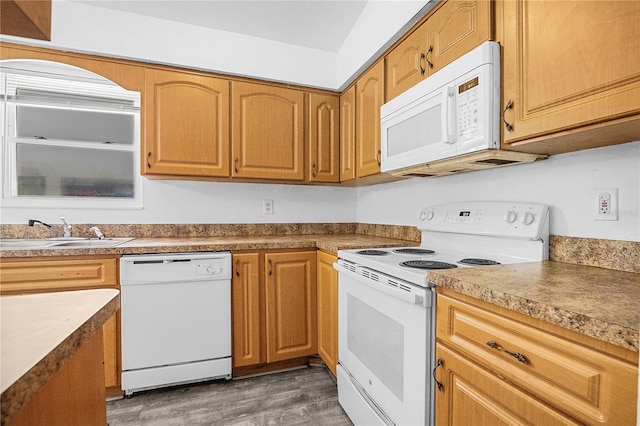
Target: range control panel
x=500 y=219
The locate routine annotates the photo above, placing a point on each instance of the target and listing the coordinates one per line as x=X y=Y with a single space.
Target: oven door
x=386 y=346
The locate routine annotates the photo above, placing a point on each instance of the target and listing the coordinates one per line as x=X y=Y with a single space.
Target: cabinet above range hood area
x=450 y=122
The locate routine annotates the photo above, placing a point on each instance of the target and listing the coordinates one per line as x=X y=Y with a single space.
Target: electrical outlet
x=606 y=203
x=267 y=206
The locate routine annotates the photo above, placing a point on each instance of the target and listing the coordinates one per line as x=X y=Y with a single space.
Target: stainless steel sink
x=62 y=242
x=93 y=242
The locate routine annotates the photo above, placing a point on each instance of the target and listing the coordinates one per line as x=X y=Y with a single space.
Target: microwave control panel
x=469 y=107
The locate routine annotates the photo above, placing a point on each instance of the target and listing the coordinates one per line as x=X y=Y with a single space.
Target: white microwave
x=453 y=112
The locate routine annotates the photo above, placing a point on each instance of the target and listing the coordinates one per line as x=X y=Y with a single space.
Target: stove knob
x=511 y=216
x=528 y=218
x=430 y=215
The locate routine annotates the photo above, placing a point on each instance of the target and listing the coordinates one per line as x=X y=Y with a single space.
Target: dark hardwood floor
x=305 y=396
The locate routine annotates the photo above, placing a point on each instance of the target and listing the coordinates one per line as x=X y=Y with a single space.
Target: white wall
x=212 y=202
x=85 y=28
x=565 y=182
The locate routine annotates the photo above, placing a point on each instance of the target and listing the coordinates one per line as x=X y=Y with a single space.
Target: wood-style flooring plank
x=305 y=396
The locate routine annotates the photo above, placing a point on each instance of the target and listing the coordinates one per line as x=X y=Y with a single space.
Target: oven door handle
x=404 y=295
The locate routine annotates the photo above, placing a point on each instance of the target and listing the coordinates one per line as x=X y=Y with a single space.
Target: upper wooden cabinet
x=323 y=134
x=453 y=29
x=26 y=18
x=267 y=132
x=186 y=121
x=369 y=99
x=571 y=74
x=348 y=135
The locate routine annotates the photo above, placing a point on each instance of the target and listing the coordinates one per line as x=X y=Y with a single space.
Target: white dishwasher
x=176 y=319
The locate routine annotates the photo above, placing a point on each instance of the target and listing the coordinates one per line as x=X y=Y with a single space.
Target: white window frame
x=75 y=81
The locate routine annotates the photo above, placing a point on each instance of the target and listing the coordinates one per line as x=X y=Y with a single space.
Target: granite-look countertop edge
x=597 y=302
x=327 y=242
x=23 y=377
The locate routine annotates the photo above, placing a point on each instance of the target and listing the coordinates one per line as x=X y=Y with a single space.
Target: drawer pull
x=516 y=355
x=438 y=364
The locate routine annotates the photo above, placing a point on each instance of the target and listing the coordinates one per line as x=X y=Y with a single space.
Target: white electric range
x=386 y=314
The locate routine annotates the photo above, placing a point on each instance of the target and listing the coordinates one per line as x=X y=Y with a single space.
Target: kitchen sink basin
x=62 y=242
x=92 y=242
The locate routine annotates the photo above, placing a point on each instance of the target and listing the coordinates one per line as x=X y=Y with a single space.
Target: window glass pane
x=78 y=172
x=74 y=125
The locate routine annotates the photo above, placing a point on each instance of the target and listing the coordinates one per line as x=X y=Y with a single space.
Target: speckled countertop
x=598 y=302
x=40 y=331
x=327 y=242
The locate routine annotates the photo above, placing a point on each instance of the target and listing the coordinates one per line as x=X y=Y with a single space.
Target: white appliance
x=386 y=306
x=453 y=112
x=176 y=319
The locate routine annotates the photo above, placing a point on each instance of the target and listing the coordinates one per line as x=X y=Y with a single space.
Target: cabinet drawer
x=586 y=383
x=26 y=276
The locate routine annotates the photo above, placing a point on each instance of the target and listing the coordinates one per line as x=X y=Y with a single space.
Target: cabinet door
x=455 y=29
x=369 y=99
x=290 y=290
x=328 y=310
x=568 y=65
x=348 y=135
x=44 y=275
x=473 y=396
x=267 y=132
x=323 y=138
x=406 y=64
x=186 y=120
x=246 y=311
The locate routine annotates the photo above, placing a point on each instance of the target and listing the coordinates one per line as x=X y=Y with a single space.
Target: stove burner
x=414 y=251
x=478 y=262
x=373 y=252
x=427 y=264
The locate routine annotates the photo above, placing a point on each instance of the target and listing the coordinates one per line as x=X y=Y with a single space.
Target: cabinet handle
x=508 y=126
x=438 y=364
x=235 y=164
x=313 y=170
x=379 y=157
x=148 y=157
x=270 y=267
x=426 y=57
x=423 y=58
x=516 y=355
x=237 y=267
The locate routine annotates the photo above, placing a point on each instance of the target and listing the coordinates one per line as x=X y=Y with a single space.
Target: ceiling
x=321 y=25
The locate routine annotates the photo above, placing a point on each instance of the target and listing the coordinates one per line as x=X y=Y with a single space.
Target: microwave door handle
x=449 y=115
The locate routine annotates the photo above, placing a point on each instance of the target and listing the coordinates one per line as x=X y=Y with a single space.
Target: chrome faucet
x=97 y=231
x=66 y=229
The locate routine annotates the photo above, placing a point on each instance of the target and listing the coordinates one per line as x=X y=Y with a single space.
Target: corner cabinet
x=369 y=99
x=328 y=310
x=452 y=30
x=571 y=74
x=267 y=132
x=186 y=124
x=323 y=134
x=500 y=368
x=45 y=275
x=274 y=310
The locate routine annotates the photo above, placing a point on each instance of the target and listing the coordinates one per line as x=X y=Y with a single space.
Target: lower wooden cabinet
x=506 y=368
x=44 y=275
x=273 y=308
x=328 y=310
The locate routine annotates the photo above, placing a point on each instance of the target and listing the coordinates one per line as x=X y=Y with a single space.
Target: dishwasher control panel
x=174 y=267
